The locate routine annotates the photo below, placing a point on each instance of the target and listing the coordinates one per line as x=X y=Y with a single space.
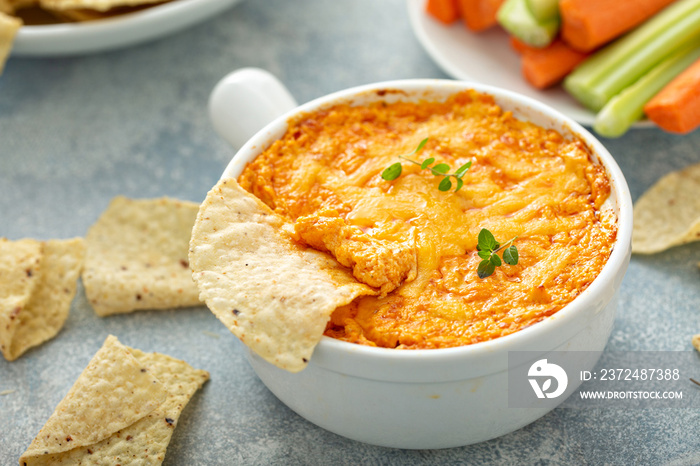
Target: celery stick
x=628 y=106
x=518 y=20
x=543 y=10
x=621 y=63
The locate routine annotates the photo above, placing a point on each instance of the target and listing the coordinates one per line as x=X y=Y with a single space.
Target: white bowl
x=116 y=32
x=422 y=398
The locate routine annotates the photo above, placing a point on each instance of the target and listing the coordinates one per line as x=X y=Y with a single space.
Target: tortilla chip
x=49 y=305
x=9 y=25
x=271 y=292
x=20 y=262
x=99 y=5
x=696 y=341
x=38 y=281
x=668 y=214
x=112 y=393
x=137 y=256
x=122 y=409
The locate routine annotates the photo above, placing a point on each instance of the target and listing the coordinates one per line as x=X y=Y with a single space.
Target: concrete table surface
x=77 y=131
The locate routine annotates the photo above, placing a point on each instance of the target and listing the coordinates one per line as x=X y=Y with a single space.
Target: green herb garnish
x=488 y=247
x=441 y=169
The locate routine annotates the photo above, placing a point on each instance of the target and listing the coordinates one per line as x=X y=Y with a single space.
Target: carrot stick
x=445 y=11
x=479 y=15
x=549 y=65
x=677 y=107
x=587 y=24
x=621 y=63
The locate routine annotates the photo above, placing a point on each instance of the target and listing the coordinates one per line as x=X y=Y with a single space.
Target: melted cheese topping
x=416 y=244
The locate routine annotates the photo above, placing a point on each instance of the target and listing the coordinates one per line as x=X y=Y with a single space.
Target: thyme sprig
x=441 y=169
x=488 y=248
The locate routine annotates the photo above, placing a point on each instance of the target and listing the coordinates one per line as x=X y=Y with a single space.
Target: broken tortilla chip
x=38 y=280
x=99 y=5
x=19 y=274
x=668 y=214
x=271 y=292
x=122 y=409
x=9 y=25
x=137 y=256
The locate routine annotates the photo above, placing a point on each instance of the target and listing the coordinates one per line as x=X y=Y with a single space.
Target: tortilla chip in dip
x=38 y=280
x=272 y=293
x=668 y=213
x=137 y=256
x=122 y=410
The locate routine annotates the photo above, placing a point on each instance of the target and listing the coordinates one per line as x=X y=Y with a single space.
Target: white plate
x=488 y=58
x=112 y=33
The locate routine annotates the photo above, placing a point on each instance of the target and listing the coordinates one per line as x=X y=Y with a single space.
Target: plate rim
x=108 y=33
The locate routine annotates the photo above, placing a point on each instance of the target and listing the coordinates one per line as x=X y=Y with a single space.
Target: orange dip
x=416 y=244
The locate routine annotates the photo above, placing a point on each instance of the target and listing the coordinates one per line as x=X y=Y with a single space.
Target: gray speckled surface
x=74 y=132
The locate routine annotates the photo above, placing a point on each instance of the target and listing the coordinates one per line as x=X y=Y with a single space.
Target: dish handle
x=246 y=100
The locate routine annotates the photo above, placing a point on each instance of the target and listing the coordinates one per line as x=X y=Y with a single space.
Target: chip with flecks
x=38 y=280
x=273 y=293
x=122 y=410
x=668 y=214
x=137 y=256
